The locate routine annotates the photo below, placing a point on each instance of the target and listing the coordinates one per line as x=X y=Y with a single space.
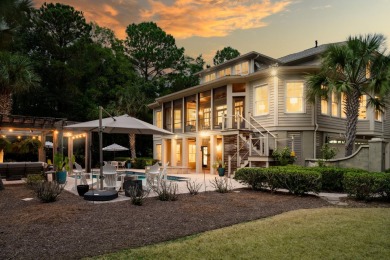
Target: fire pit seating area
x=18 y=170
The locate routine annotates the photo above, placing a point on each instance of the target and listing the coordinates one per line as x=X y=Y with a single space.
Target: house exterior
x=245 y=108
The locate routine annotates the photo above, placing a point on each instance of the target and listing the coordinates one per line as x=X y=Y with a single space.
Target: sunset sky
x=274 y=28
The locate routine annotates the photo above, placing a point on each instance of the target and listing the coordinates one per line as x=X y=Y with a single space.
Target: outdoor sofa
x=18 y=170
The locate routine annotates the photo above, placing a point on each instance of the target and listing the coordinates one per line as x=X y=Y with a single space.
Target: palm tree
x=356 y=67
x=132 y=101
x=16 y=76
x=12 y=15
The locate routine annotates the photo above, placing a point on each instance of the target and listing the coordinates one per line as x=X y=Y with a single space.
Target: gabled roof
x=246 y=56
x=305 y=54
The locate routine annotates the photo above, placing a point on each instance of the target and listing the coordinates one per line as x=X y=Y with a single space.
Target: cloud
x=210 y=18
x=321 y=7
x=181 y=18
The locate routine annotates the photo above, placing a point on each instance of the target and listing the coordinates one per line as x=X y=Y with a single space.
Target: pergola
x=40 y=128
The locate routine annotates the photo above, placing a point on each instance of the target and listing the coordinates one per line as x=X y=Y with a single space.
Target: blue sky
x=274 y=28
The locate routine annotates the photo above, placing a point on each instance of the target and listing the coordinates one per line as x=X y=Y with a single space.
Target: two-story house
x=245 y=108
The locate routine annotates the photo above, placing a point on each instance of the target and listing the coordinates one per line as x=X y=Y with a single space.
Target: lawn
x=325 y=233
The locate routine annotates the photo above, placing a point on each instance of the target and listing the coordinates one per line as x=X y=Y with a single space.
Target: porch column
x=173 y=152
x=41 y=151
x=184 y=155
x=55 y=143
x=88 y=142
x=70 y=154
x=213 y=152
x=198 y=157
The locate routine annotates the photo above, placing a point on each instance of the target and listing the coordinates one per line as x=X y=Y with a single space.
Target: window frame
x=256 y=101
x=302 y=97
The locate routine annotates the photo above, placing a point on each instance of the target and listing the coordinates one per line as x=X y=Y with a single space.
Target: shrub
x=254 y=177
x=284 y=156
x=368 y=185
x=140 y=163
x=137 y=195
x=34 y=179
x=297 y=181
x=327 y=153
x=166 y=191
x=48 y=191
x=221 y=185
x=193 y=187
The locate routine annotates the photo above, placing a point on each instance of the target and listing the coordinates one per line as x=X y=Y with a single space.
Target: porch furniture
x=122 y=164
x=17 y=170
x=79 y=173
x=115 y=164
x=110 y=177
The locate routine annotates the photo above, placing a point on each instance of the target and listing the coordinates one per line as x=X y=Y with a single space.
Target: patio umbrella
x=114 y=148
x=124 y=124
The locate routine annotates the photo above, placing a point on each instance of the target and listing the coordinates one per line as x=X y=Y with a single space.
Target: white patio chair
x=122 y=164
x=110 y=176
x=115 y=164
x=79 y=173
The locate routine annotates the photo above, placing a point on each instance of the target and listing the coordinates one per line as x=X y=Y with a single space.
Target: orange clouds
x=181 y=18
x=210 y=18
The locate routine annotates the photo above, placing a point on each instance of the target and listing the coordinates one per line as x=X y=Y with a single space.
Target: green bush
x=140 y=163
x=254 y=177
x=48 y=191
x=297 y=180
x=368 y=185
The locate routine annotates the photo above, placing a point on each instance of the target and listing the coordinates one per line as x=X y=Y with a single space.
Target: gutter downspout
x=315 y=130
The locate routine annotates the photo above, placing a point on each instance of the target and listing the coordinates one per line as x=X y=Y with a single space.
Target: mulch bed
x=72 y=228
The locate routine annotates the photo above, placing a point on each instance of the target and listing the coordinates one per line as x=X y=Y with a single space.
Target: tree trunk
x=132 y=146
x=5 y=104
x=352 y=111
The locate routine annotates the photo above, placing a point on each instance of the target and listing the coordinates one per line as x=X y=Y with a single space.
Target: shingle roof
x=306 y=53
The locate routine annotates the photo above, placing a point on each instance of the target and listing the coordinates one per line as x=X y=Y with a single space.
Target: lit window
x=212 y=76
x=368 y=70
x=261 y=100
x=363 y=107
x=159 y=119
x=228 y=72
x=324 y=106
x=378 y=115
x=207 y=78
x=335 y=104
x=158 y=152
x=191 y=153
x=237 y=69
x=294 y=97
x=178 y=154
x=221 y=73
x=244 y=68
x=177 y=118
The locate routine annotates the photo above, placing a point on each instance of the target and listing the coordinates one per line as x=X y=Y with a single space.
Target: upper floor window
x=207 y=78
x=294 y=97
x=242 y=68
x=212 y=76
x=261 y=100
x=324 y=103
x=343 y=100
x=363 y=107
x=228 y=71
x=221 y=73
x=335 y=104
x=378 y=115
x=159 y=119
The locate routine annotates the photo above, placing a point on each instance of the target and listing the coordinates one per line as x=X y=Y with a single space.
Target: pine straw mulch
x=72 y=228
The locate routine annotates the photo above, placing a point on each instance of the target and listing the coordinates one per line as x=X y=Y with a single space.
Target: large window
x=190 y=106
x=242 y=68
x=178 y=152
x=335 y=104
x=177 y=115
x=324 y=106
x=191 y=153
x=343 y=100
x=159 y=119
x=219 y=106
x=204 y=110
x=261 y=100
x=294 y=97
x=363 y=107
x=167 y=116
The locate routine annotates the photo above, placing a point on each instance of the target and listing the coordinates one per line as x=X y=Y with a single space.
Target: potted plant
x=61 y=165
x=219 y=165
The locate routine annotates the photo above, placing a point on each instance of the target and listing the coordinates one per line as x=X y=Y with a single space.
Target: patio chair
x=122 y=164
x=115 y=164
x=79 y=172
x=110 y=176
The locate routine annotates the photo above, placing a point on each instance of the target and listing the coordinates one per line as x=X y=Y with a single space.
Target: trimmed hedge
x=140 y=163
x=368 y=185
x=297 y=180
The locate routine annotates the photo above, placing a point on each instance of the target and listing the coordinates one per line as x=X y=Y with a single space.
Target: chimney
x=316 y=44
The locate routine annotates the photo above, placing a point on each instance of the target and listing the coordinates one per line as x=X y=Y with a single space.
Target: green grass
x=327 y=233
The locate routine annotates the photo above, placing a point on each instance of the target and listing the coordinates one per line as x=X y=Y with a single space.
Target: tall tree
x=153 y=52
x=16 y=76
x=225 y=54
x=357 y=67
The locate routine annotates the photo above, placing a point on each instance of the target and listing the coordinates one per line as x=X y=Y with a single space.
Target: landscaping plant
x=33 y=180
x=327 y=153
x=284 y=156
x=48 y=191
x=137 y=195
x=193 y=187
x=221 y=185
x=166 y=191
